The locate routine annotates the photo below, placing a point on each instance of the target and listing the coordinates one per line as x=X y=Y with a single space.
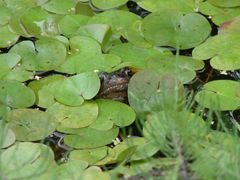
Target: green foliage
x=51 y=61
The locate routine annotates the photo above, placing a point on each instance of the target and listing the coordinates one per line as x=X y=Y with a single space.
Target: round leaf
x=7 y=136
x=65 y=7
x=7 y=37
x=15 y=94
x=90 y=138
x=111 y=112
x=74 y=117
x=220 y=94
x=108 y=4
x=73 y=90
x=31 y=124
x=173 y=29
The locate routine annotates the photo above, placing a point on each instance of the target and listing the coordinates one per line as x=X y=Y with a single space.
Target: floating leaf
x=7 y=136
x=124 y=20
x=223 y=3
x=220 y=94
x=19 y=74
x=218 y=15
x=9 y=94
x=51 y=53
x=7 y=37
x=173 y=29
x=84 y=62
x=26 y=50
x=111 y=113
x=148 y=92
x=74 y=117
x=73 y=90
x=91 y=156
x=108 y=4
x=182 y=67
x=136 y=56
x=65 y=7
x=7 y=62
x=5 y=15
x=231 y=26
x=95 y=172
x=217 y=48
x=31 y=124
x=90 y=138
x=26 y=160
x=70 y=23
x=184 y=6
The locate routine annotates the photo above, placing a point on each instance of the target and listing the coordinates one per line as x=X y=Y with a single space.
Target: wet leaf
x=31 y=124
x=73 y=90
x=74 y=117
x=9 y=94
x=173 y=29
x=5 y=15
x=220 y=94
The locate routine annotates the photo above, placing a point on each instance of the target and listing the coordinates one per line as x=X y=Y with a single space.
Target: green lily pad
x=51 y=53
x=5 y=15
x=84 y=44
x=73 y=90
x=148 y=92
x=173 y=29
x=33 y=20
x=65 y=7
x=135 y=56
x=38 y=85
x=19 y=74
x=219 y=15
x=108 y=4
x=111 y=113
x=232 y=26
x=184 y=6
x=135 y=35
x=10 y=96
x=26 y=160
x=7 y=136
x=19 y=4
x=84 y=8
x=90 y=138
x=26 y=50
x=7 y=62
x=220 y=94
x=70 y=23
x=66 y=171
x=3 y=111
x=217 y=48
x=124 y=20
x=74 y=117
x=223 y=3
x=182 y=67
x=30 y=124
x=91 y=156
x=88 y=62
x=95 y=172
x=99 y=32
x=7 y=37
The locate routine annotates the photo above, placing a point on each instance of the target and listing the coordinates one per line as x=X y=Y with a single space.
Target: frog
x=114 y=85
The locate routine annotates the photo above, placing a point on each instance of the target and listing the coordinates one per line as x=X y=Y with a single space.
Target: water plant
x=181 y=120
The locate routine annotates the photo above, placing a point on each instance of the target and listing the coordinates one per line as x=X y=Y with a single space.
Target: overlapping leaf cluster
x=73 y=40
